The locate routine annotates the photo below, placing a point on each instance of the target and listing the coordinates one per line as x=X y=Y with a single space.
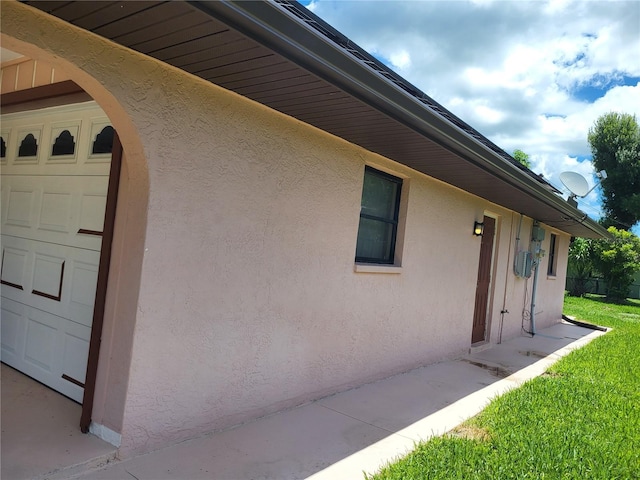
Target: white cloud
x=400 y=60
x=555 y=6
x=313 y=5
x=510 y=69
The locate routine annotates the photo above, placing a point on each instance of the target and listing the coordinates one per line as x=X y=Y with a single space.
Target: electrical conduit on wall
x=537 y=236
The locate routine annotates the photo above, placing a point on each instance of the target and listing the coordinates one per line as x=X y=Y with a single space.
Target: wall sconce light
x=478 y=229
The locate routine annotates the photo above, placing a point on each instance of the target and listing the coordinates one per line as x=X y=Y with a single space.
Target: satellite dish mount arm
x=601 y=176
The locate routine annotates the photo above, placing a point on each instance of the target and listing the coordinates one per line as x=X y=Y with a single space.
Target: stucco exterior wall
x=513 y=294
x=248 y=299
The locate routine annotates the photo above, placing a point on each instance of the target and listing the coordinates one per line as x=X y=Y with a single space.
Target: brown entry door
x=478 y=333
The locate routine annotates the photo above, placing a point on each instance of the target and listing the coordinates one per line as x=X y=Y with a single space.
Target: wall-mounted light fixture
x=478 y=229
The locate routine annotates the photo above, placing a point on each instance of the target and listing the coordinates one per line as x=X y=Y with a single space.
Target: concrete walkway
x=341 y=436
x=40 y=431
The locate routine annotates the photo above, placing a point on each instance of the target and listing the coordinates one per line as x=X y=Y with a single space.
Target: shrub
x=617 y=260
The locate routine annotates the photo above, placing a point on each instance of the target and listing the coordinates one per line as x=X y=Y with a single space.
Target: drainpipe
x=533 y=299
x=538 y=253
x=583 y=324
x=517 y=242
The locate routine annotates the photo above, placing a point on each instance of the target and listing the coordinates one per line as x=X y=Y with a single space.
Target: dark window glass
x=378 y=217
x=104 y=141
x=28 y=146
x=3 y=148
x=64 y=144
x=551 y=269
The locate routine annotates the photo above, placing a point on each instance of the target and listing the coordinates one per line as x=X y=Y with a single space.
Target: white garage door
x=55 y=172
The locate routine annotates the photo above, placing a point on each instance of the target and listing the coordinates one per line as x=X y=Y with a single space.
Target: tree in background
x=617 y=261
x=615 y=145
x=522 y=157
x=581 y=269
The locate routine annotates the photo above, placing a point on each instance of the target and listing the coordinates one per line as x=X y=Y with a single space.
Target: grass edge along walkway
x=581 y=419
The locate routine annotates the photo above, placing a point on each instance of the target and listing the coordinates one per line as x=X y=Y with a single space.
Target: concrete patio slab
x=344 y=435
x=40 y=432
x=293 y=445
x=521 y=352
x=412 y=396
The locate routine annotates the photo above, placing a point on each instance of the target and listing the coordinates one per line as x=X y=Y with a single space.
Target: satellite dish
x=576 y=184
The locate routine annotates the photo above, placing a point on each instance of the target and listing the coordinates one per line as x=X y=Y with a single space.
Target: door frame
x=101 y=287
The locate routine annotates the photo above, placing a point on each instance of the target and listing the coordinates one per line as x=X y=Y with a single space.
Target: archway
x=104 y=400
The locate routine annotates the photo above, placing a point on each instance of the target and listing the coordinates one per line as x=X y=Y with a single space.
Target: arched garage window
x=64 y=144
x=104 y=141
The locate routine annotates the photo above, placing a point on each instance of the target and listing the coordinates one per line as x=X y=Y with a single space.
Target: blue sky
x=529 y=75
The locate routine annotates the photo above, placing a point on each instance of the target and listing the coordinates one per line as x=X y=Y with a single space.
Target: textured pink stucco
x=248 y=299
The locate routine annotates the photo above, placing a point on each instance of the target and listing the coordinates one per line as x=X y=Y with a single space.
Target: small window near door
x=379 y=211
x=553 y=255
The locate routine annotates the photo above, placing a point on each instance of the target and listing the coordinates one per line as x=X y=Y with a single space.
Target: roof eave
x=277 y=28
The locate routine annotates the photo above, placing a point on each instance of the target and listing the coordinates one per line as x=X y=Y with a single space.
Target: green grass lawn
x=579 y=420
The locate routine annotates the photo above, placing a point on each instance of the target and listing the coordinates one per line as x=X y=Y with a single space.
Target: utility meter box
x=537 y=234
x=524 y=264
